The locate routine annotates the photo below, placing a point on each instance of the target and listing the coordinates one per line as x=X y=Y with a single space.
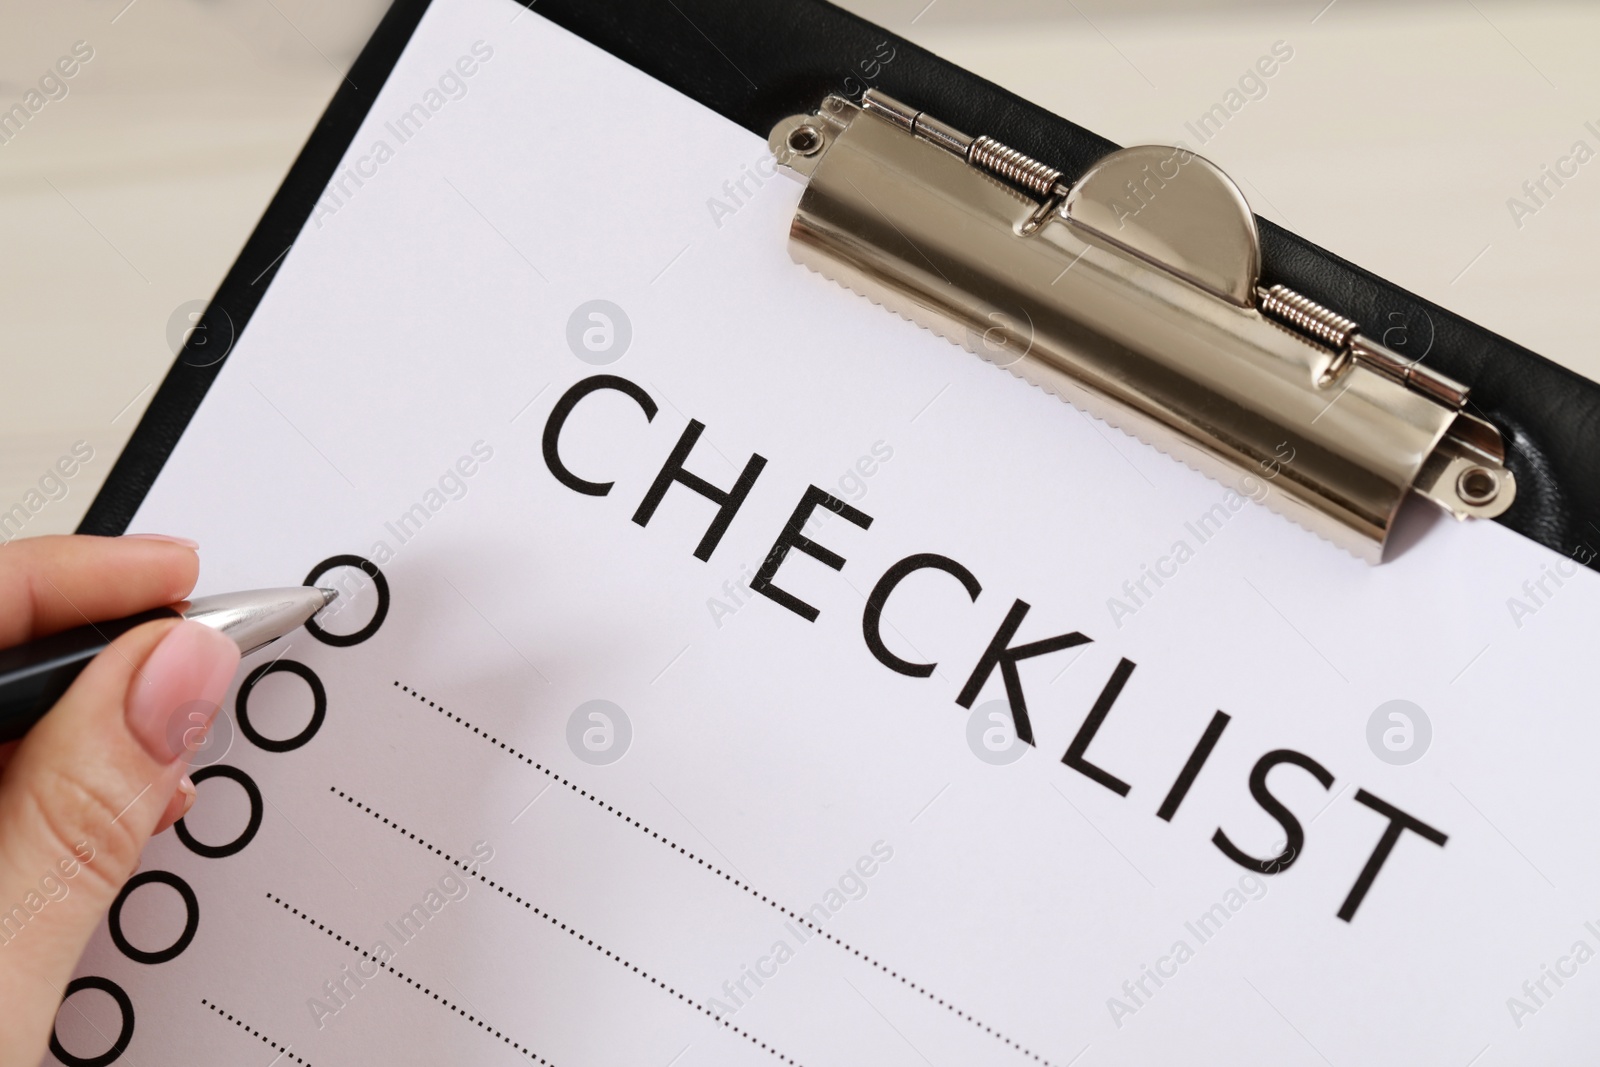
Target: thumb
x=79 y=799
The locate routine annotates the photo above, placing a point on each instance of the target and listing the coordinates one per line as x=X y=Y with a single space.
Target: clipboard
x=785 y=58
x=1175 y=749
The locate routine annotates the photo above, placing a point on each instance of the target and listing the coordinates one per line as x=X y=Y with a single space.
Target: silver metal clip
x=1134 y=293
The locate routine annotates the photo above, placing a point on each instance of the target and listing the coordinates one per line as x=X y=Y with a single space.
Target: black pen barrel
x=34 y=675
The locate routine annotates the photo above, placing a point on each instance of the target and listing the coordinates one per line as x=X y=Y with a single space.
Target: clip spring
x=1306 y=315
x=1014 y=166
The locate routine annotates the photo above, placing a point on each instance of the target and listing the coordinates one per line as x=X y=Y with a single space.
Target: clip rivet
x=1477 y=486
x=805 y=140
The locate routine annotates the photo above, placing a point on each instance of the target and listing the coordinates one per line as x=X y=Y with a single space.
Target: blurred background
x=1399 y=135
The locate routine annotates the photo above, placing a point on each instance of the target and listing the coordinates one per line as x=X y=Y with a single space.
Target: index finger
x=54 y=583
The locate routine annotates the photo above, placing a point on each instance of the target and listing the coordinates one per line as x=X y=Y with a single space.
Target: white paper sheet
x=784 y=805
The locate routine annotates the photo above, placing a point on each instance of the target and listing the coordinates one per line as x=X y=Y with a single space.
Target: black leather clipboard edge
x=756 y=62
x=236 y=299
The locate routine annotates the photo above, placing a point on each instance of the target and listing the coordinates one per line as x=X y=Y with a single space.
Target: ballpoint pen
x=34 y=675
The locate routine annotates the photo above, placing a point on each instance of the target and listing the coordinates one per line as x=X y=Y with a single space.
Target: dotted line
x=751 y=890
x=281 y=1050
x=485 y=1027
x=553 y=921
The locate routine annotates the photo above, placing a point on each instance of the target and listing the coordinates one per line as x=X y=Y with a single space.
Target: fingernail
x=189 y=669
x=184 y=541
x=178 y=805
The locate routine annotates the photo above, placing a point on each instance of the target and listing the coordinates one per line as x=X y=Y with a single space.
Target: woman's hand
x=106 y=768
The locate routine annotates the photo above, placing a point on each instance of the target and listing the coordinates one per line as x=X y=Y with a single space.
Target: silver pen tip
x=328 y=595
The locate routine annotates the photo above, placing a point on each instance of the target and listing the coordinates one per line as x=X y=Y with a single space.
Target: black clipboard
x=755 y=63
